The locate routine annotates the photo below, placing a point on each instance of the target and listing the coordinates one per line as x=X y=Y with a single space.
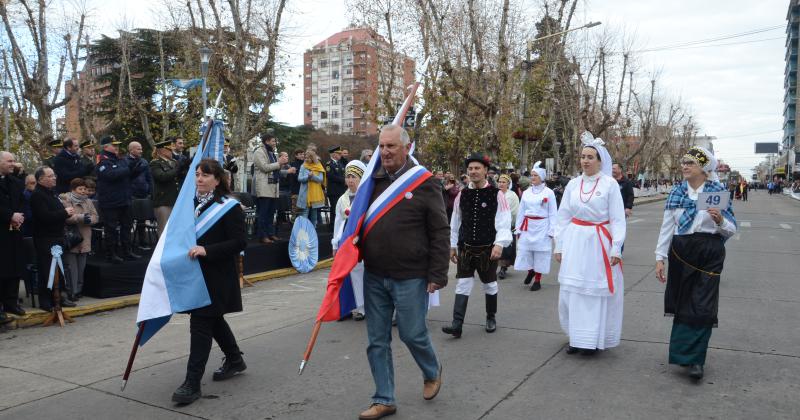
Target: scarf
x=202 y=200
x=315 y=193
x=76 y=198
x=272 y=159
x=679 y=199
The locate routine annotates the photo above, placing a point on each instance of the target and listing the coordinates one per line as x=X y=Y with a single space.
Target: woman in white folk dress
x=589 y=237
x=535 y=227
x=353 y=173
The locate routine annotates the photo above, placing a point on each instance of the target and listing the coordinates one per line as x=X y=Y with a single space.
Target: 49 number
x=713 y=200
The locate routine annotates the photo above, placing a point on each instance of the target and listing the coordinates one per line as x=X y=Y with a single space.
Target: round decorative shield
x=303 y=245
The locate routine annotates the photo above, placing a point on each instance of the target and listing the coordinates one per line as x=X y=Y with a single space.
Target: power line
x=720 y=38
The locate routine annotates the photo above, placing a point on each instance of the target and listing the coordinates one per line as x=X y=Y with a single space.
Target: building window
x=348 y=71
x=335 y=100
x=348 y=124
x=334 y=114
x=334 y=89
x=323 y=115
x=314 y=110
x=323 y=63
x=323 y=91
x=348 y=99
x=335 y=63
x=335 y=74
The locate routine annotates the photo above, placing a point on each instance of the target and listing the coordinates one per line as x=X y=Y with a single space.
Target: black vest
x=478 y=210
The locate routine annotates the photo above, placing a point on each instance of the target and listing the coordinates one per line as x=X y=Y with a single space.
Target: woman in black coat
x=49 y=216
x=217 y=251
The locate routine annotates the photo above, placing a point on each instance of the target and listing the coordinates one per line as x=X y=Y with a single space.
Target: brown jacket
x=412 y=239
x=77 y=219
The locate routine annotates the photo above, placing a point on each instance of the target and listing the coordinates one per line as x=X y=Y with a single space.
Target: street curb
x=649 y=200
x=37 y=316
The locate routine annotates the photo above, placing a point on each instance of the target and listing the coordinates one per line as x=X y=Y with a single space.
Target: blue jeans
x=265 y=207
x=382 y=296
x=311 y=214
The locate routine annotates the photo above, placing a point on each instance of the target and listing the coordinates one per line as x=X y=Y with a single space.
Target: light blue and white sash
x=212 y=214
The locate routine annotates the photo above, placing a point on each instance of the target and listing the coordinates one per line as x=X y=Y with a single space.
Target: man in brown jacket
x=405 y=258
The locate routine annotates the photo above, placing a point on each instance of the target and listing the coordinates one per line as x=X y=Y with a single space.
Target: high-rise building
x=791 y=155
x=344 y=78
x=92 y=91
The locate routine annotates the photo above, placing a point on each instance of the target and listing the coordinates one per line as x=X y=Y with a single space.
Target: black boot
x=536 y=286
x=187 y=393
x=529 y=277
x=491 y=309
x=459 y=311
x=502 y=273
x=230 y=367
x=696 y=372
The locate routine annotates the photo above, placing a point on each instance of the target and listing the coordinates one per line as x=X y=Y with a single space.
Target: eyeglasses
x=688 y=162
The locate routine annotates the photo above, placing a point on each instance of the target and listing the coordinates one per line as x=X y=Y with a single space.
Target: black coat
x=336 y=186
x=12 y=258
x=626 y=189
x=223 y=243
x=68 y=167
x=49 y=214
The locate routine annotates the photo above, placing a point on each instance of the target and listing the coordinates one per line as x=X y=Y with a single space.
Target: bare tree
x=26 y=23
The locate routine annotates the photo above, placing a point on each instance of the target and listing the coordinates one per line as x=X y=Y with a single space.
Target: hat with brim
x=335 y=149
x=87 y=143
x=109 y=140
x=478 y=157
x=166 y=144
x=55 y=143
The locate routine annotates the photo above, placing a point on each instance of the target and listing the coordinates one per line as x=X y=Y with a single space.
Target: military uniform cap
x=166 y=144
x=86 y=143
x=335 y=149
x=109 y=139
x=55 y=143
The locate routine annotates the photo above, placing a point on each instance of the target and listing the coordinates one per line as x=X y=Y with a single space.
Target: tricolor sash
x=399 y=189
x=212 y=214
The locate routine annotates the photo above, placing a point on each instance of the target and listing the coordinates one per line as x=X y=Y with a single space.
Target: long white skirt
x=538 y=261
x=591 y=322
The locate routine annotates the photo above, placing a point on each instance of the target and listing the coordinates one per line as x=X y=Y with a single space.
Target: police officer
x=230 y=164
x=88 y=154
x=166 y=182
x=54 y=146
x=114 y=177
x=335 y=172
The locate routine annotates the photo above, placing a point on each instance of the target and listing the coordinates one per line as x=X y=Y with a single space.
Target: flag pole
x=136 y=342
x=310 y=346
x=138 y=339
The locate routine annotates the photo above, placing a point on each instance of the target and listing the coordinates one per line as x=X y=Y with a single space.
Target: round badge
x=409 y=195
x=483 y=205
x=347 y=212
x=597 y=193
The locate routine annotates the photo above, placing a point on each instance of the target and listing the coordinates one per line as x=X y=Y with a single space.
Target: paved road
x=519 y=372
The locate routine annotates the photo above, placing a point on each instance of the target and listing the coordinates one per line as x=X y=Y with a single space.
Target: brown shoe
x=377 y=411
x=431 y=386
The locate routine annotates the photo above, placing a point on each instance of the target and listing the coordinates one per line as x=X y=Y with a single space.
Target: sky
x=735 y=91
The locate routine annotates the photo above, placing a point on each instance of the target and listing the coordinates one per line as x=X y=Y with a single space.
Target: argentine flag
x=173 y=281
x=186 y=83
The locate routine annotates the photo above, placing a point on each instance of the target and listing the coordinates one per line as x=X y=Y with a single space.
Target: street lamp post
x=528 y=65
x=205 y=57
x=5 y=93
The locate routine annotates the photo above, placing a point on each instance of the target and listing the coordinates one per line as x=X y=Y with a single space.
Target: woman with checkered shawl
x=693 y=241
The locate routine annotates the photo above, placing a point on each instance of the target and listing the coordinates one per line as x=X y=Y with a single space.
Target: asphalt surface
x=519 y=372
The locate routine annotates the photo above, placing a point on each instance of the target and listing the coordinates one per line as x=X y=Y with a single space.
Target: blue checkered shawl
x=679 y=199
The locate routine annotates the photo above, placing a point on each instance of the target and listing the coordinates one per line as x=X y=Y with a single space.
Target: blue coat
x=114 y=177
x=304 y=177
x=142 y=184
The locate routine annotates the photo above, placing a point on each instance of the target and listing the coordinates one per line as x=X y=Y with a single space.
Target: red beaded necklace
x=591 y=193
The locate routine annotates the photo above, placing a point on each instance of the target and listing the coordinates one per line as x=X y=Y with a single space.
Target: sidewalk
x=36 y=316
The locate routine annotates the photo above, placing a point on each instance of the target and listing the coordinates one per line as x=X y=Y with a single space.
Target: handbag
x=72 y=237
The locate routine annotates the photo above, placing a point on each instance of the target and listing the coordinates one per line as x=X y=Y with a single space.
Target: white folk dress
x=357 y=274
x=535 y=243
x=589 y=313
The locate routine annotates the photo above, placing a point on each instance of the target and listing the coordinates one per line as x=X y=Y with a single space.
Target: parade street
x=519 y=372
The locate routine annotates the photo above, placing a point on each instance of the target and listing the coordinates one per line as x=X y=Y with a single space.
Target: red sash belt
x=601 y=230
x=524 y=226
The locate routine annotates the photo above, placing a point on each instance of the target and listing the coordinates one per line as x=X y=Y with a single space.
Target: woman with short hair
x=84 y=217
x=693 y=241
